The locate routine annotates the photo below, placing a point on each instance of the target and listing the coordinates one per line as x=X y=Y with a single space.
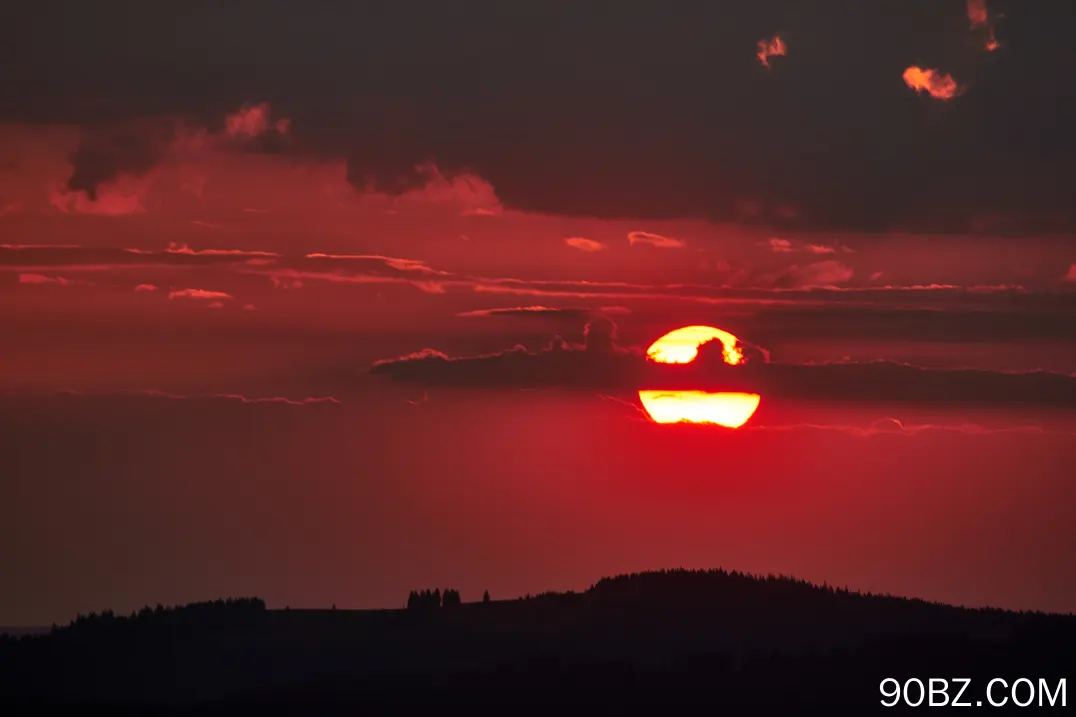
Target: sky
x=328 y=304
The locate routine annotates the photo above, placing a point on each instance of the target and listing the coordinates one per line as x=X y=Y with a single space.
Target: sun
x=681 y=346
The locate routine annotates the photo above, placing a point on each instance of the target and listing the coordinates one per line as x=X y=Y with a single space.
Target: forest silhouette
x=716 y=637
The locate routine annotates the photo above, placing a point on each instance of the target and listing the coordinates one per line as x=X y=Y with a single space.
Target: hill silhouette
x=677 y=636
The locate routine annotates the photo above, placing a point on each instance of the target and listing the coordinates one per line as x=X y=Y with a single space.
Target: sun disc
x=682 y=345
x=730 y=410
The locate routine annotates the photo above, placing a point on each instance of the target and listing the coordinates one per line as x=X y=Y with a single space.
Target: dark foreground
x=654 y=640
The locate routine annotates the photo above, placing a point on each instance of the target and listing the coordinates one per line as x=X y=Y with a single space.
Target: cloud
x=42 y=279
x=774 y=47
x=98 y=259
x=285 y=283
x=937 y=84
x=174 y=248
x=785 y=246
x=152 y=393
x=105 y=155
x=252 y=121
x=426 y=183
x=545 y=312
x=112 y=167
x=600 y=364
x=981 y=22
x=121 y=198
x=145 y=287
x=544 y=142
x=198 y=294
x=819 y=274
x=584 y=244
x=1071 y=275
x=797 y=285
x=657 y=240
x=895 y=427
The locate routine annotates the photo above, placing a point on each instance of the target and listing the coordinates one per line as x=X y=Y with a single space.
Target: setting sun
x=730 y=410
x=681 y=346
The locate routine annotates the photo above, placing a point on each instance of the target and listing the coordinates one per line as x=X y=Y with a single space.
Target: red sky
x=194 y=283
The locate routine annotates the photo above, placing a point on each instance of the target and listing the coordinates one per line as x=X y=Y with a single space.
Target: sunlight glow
x=730 y=410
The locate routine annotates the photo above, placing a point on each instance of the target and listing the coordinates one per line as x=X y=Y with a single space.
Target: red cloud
x=198 y=294
x=784 y=246
x=119 y=199
x=473 y=195
x=820 y=274
x=42 y=279
x=780 y=246
x=774 y=47
x=1071 y=276
x=112 y=171
x=153 y=393
x=657 y=240
x=938 y=85
x=251 y=121
x=285 y=283
x=145 y=287
x=174 y=248
x=980 y=21
x=584 y=244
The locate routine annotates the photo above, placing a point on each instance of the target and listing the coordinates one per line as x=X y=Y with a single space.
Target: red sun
x=730 y=410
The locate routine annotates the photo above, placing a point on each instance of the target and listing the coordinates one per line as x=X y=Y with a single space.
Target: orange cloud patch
x=145 y=287
x=774 y=47
x=937 y=84
x=584 y=244
x=198 y=294
x=657 y=240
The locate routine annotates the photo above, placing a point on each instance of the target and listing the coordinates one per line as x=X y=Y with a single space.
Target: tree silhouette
x=485 y=597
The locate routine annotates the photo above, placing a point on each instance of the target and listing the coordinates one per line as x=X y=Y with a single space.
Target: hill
x=681 y=636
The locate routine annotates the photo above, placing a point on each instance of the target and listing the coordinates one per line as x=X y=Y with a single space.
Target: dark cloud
x=572 y=314
x=554 y=104
x=104 y=155
x=600 y=365
x=99 y=259
x=205 y=397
